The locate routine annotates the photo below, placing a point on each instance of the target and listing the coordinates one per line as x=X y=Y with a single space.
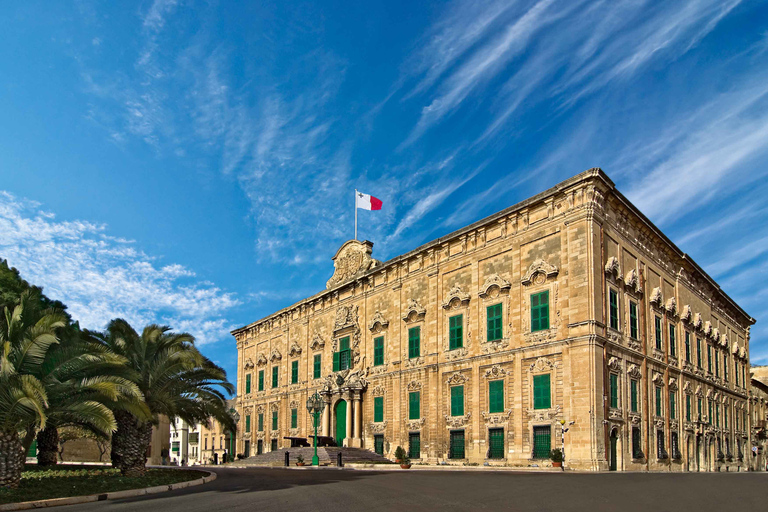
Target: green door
x=341 y=422
x=614 y=439
x=496 y=442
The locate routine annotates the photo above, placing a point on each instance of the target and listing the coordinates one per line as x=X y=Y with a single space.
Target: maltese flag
x=366 y=202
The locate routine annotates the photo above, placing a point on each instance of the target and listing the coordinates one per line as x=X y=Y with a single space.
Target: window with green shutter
x=725 y=366
x=378 y=351
x=274 y=420
x=455 y=332
x=414 y=445
x=633 y=388
x=378 y=409
x=456 y=448
x=709 y=412
x=414 y=342
x=637 y=450
x=247 y=383
x=672 y=405
x=657 y=324
x=542 y=442
x=687 y=346
x=687 y=407
x=273 y=445
x=709 y=358
x=542 y=398
x=294 y=418
x=318 y=366
x=698 y=352
x=457 y=401
x=633 y=323
x=725 y=417
x=717 y=415
x=700 y=410
x=736 y=371
x=672 y=341
x=613 y=301
x=261 y=422
x=496 y=396
x=658 y=401
x=294 y=372
x=540 y=311
x=414 y=406
x=614 y=382
x=343 y=358
x=261 y=380
x=248 y=423
x=496 y=443
x=494 y=314
x=717 y=363
x=274 y=376
x=378 y=444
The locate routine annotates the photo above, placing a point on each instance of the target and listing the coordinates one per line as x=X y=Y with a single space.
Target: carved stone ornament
x=657 y=378
x=724 y=341
x=498 y=418
x=457 y=421
x=614 y=363
x=456 y=298
x=493 y=285
x=352 y=259
x=671 y=305
x=346 y=316
x=275 y=356
x=378 y=322
x=742 y=353
x=249 y=364
x=697 y=322
x=672 y=384
x=613 y=268
x=735 y=348
x=686 y=315
x=413 y=425
x=716 y=335
x=656 y=298
x=378 y=391
x=708 y=328
x=495 y=372
x=634 y=371
x=318 y=343
x=542 y=364
x=261 y=360
x=294 y=404
x=274 y=406
x=544 y=414
x=632 y=281
x=698 y=391
x=378 y=428
x=295 y=350
x=539 y=267
x=414 y=385
x=456 y=378
x=687 y=387
x=414 y=311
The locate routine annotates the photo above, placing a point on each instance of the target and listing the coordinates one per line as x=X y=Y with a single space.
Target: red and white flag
x=366 y=202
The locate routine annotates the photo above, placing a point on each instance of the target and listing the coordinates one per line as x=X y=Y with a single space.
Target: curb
x=130 y=493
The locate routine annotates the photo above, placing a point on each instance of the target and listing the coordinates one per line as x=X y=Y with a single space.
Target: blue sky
x=193 y=163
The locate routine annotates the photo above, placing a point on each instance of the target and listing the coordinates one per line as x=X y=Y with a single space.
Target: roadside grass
x=63 y=481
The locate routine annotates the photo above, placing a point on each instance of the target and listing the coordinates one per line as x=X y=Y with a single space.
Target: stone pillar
x=357 y=441
x=326 y=420
x=350 y=412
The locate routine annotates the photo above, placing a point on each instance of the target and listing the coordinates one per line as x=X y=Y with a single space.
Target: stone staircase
x=327 y=455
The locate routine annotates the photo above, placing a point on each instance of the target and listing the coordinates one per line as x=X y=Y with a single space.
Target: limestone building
x=568 y=311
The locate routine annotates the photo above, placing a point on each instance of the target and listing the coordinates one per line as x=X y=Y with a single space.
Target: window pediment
x=456 y=298
x=539 y=268
x=494 y=284
x=414 y=311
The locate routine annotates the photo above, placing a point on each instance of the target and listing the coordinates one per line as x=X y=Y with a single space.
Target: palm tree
x=26 y=335
x=85 y=383
x=177 y=381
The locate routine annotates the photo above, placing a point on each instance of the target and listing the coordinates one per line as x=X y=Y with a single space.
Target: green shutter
x=294 y=418
x=274 y=376
x=542 y=442
x=456 y=449
x=318 y=366
x=709 y=358
x=247 y=383
x=672 y=341
x=496 y=443
x=672 y=405
x=378 y=351
x=633 y=395
x=542 y=398
x=261 y=422
x=248 y=423
x=698 y=352
x=261 y=380
x=457 y=401
x=294 y=372
x=414 y=342
x=414 y=407
x=614 y=308
x=456 y=332
x=688 y=407
x=344 y=343
x=496 y=396
x=414 y=445
x=335 y=361
x=378 y=409
x=274 y=420
x=658 y=401
x=614 y=380
x=495 y=329
x=633 y=320
x=658 y=332
x=687 y=346
x=540 y=311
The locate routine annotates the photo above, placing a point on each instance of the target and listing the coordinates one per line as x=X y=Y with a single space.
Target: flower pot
x=557 y=464
x=301 y=463
x=405 y=466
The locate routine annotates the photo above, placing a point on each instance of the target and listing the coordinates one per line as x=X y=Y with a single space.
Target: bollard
x=338 y=461
x=287 y=459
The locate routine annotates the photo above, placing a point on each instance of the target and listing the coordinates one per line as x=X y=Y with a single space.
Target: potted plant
x=405 y=462
x=556 y=456
x=400 y=455
x=300 y=461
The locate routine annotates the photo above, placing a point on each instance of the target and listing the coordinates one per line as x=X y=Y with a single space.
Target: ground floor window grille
x=661 y=450
x=274 y=445
x=457 y=445
x=496 y=443
x=674 y=445
x=247 y=449
x=637 y=450
x=542 y=442
x=378 y=444
x=259 y=447
x=414 y=445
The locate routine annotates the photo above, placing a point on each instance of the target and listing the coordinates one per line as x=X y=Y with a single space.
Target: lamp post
x=314 y=407
x=233 y=442
x=563 y=430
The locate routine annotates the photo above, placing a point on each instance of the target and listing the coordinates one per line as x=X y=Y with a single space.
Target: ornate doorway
x=341 y=422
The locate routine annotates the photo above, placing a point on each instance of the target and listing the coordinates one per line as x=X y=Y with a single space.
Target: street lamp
x=563 y=430
x=314 y=407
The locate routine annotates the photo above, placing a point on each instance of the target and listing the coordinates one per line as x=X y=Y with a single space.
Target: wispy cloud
x=101 y=277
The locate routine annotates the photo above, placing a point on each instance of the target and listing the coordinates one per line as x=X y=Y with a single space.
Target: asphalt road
x=258 y=489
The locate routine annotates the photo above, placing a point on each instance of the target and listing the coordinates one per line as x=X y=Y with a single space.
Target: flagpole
x=355 y=214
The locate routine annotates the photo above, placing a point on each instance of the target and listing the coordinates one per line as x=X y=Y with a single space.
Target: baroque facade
x=565 y=320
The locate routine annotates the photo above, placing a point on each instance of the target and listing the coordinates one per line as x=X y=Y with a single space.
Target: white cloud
x=101 y=277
